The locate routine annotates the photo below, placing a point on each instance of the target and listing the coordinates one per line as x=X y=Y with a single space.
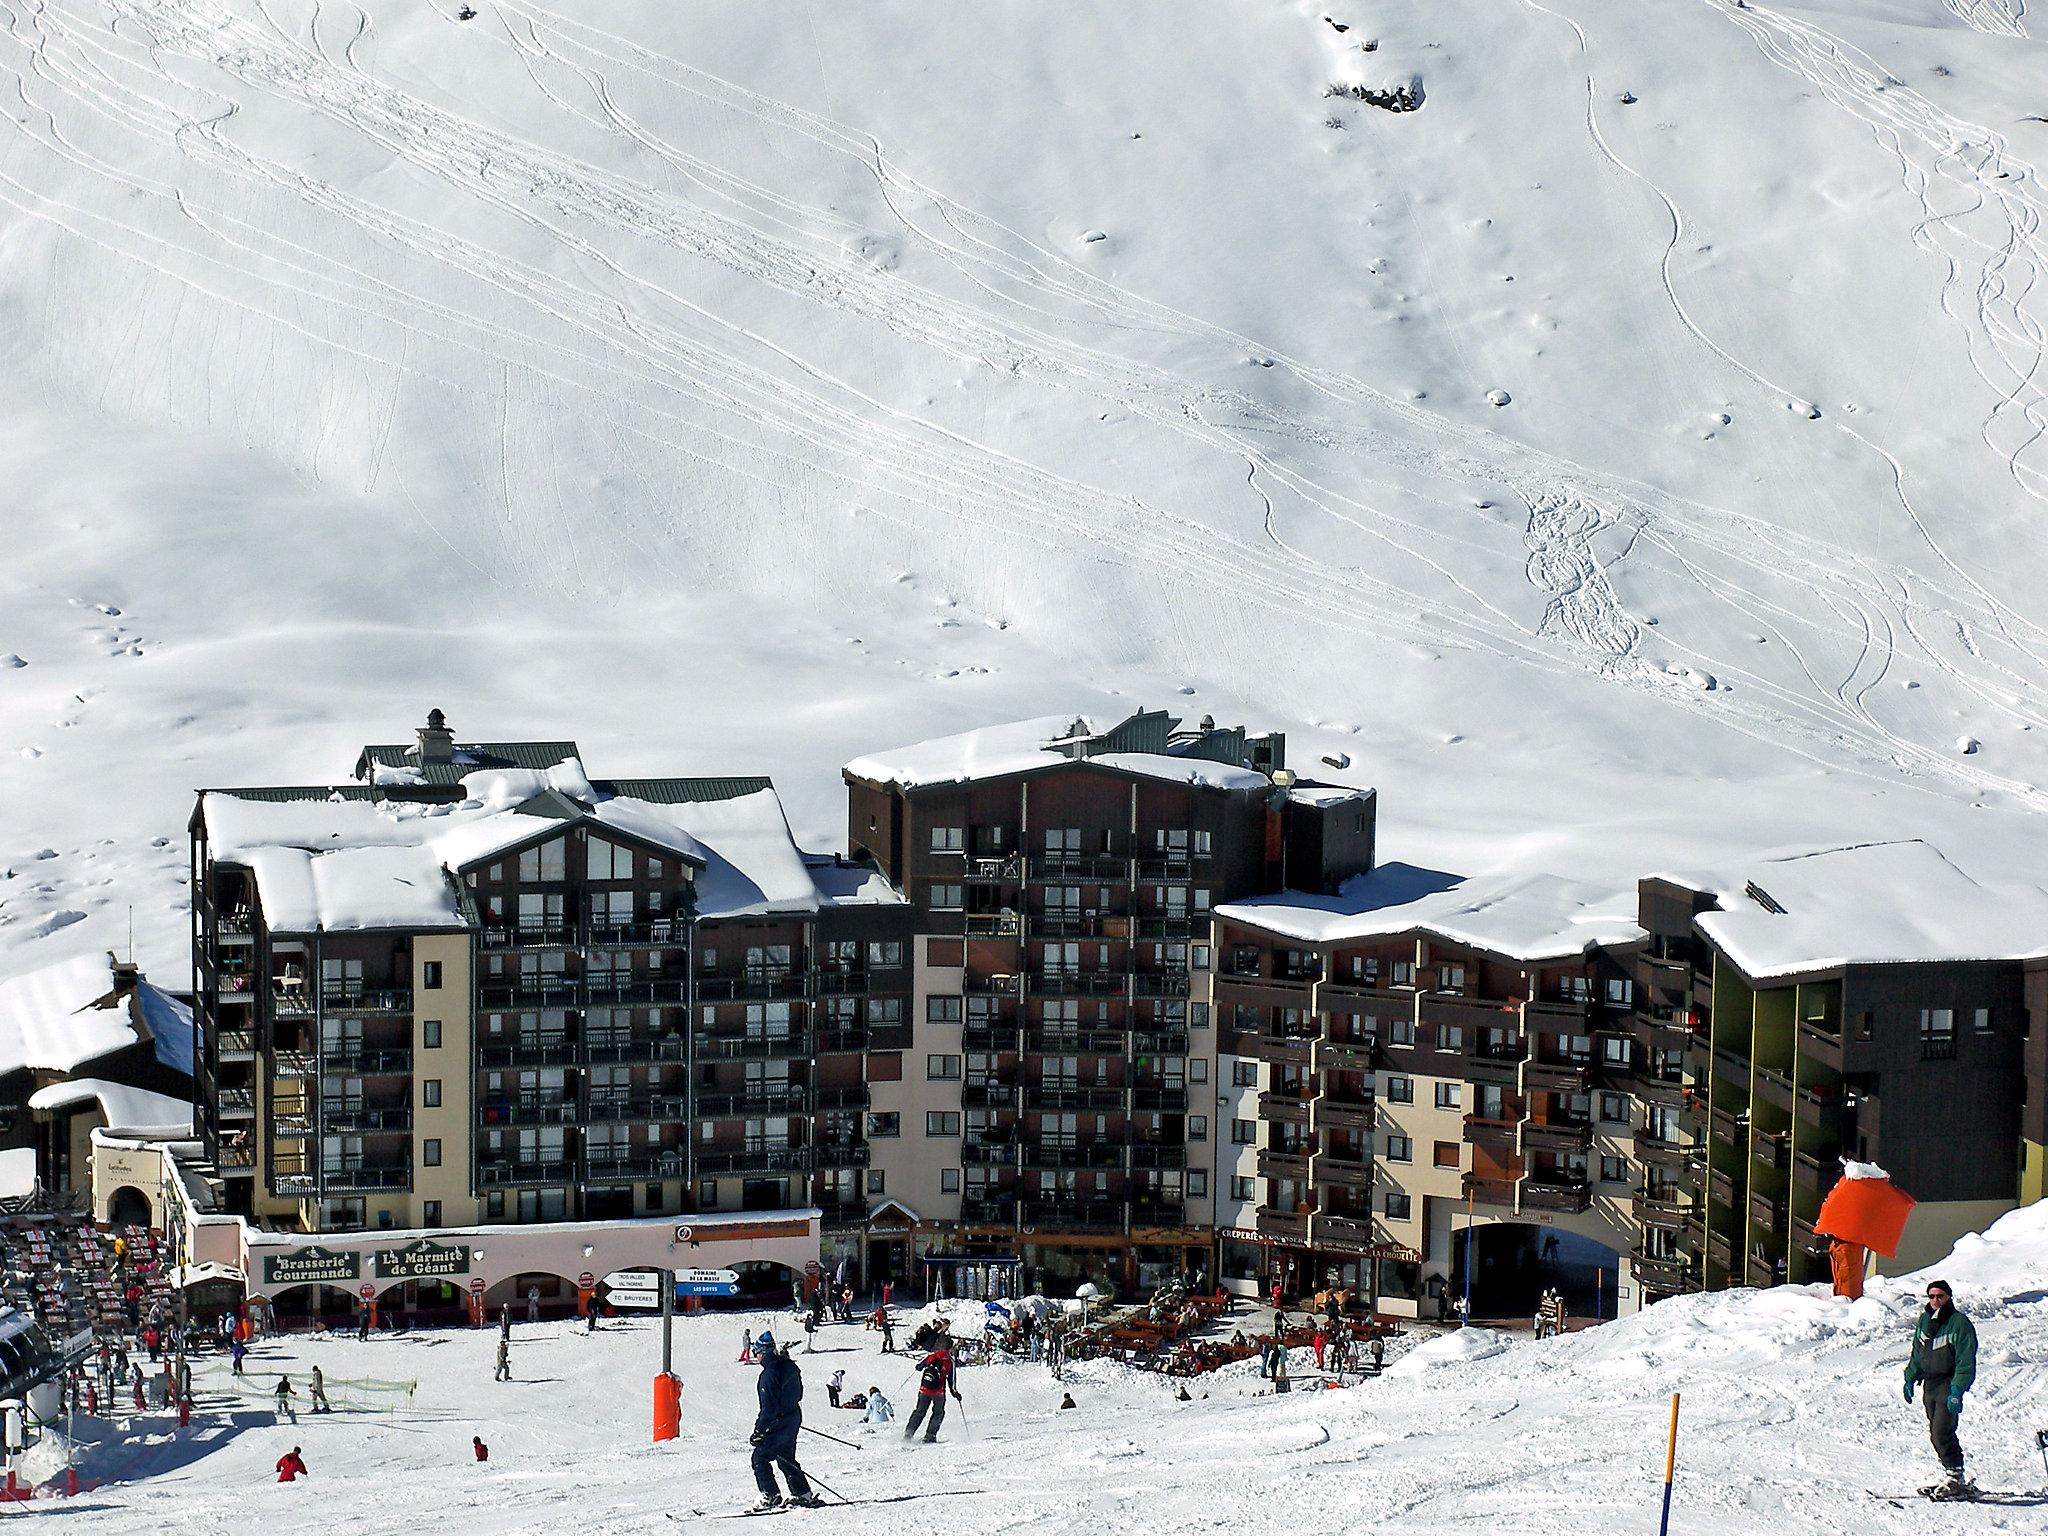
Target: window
x=1614 y=1170
x=1660 y=1123
x=608 y=861
x=943 y=1010
x=1621 y=992
x=1198 y=1069
x=1244 y=1074
x=1937 y=1034
x=1401 y=1031
x=430 y=1152
x=1616 y=1052
x=885 y=1010
x=431 y=975
x=1448 y=1154
x=1397 y=1206
x=1404 y=973
x=430 y=1093
x=1400 y=1150
x=948 y=839
x=1244 y=1133
x=1450 y=1095
x=545 y=862
x=1980 y=1020
x=1198 y=1127
x=432 y=1211
x=938 y=1069
x=1450 y=978
x=494 y=1205
x=942 y=1122
x=1198 y=1015
x=949 y=1181
x=430 y=1034
x=946 y=898
x=650 y=1196
x=1243 y=1187
x=875 y=1181
x=1198 y=1184
x=1614 y=1108
x=890 y=1124
x=1400 y=1090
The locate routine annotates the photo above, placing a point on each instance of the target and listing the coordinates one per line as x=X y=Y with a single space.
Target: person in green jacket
x=1943 y=1365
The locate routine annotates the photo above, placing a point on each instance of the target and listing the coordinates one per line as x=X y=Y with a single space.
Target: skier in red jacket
x=291 y=1466
x=483 y=1452
x=935 y=1378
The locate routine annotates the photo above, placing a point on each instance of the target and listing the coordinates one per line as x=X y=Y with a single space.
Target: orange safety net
x=1872 y=1212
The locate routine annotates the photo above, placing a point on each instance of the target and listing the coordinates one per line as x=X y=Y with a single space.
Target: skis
x=785 y=1509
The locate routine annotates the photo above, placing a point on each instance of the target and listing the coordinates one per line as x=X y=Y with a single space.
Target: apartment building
x=1430 y=1071
x=1870 y=1002
x=1056 y=1096
x=474 y=986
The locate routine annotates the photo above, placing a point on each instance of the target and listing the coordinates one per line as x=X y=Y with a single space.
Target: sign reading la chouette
x=423 y=1260
x=309 y=1266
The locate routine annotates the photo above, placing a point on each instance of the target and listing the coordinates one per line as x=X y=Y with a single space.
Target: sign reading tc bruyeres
x=423 y=1260
x=311 y=1266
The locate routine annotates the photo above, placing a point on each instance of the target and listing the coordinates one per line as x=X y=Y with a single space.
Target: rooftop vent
x=436 y=741
x=1763 y=898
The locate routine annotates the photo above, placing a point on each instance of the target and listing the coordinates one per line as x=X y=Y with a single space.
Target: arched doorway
x=130 y=1207
x=1514 y=1263
x=537 y=1294
x=311 y=1305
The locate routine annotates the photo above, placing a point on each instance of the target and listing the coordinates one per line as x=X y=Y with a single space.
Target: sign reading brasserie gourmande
x=422 y=1260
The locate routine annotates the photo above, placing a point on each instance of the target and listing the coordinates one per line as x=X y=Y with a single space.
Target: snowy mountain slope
x=1790 y=1418
x=929 y=366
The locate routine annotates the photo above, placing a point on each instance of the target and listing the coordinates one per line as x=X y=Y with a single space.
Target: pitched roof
x=62 y=1016
x=403 y=761
x=1141 y=746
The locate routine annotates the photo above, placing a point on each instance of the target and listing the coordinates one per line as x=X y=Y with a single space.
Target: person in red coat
x=483 y=1452
x=935 y=1378
x=291 y=1466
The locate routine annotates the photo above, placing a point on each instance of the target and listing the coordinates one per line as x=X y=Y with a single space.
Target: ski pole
x=842 y=1498
x=833 y=1438
x=1670 y=1463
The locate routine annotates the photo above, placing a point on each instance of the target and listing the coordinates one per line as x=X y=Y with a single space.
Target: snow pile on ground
x=1649 y=416
x=1791 y=1418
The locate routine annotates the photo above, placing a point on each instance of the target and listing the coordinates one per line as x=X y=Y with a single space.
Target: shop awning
x=186 y=1275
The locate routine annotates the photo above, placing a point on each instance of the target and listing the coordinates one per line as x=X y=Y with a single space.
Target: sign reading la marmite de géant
x=423 y=1260
x=311 y=1266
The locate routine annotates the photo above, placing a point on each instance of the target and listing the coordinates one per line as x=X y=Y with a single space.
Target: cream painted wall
x=453 y=1066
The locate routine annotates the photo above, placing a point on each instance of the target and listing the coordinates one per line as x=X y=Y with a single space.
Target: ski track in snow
x=613 y=332
x=2001 y=18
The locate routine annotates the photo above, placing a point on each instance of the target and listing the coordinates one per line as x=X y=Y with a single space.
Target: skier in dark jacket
x=781 y=1391
x=935 y=1378
x=1943 y=1365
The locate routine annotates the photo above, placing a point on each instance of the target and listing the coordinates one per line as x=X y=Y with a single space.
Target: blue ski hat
x=764 y=1345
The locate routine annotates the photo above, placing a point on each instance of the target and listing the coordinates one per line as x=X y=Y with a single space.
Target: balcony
x=1068 y=1096
x=638 y=1045
x=293 y=1002
x=1669 y=1272
x=994 y=1209
x=1077 y=983
x=605 y=1109
x=235 y=1103
x=988 y=1095
x=643 y=1163
x=1346 y=1233
x=1074 y=1215
x=1160 y=983
x=1558 y=1074
x=1721 y=1187
x=1284 y=1050
x=1564 y=1016
x=1767 y=1213
x=750 y=986
x=1498 y=1135
x=352 y=1001
x=1720 y=1252
x=535 y=933
x=763 y=1157
x=1284 y=1165
x=1157 y=1042
x=996 y=1036
x=841 y=1039
x=1289 y=1227
x=357 y=1060
x=1152 y=1211
x=844 y=1096
x=1060 y=1041
x=840 y=1154
x=1557 y=1135
x=1091 y=868
x=1284 y=1108
x=1343 y=1056
x=1331 y=1114
x=1489 y=1189
x=554 y=1170
x=1496 y=1061
x=759 y=1099
x=1176 y=925
x=366 y=1176
x=753 y=1047
x=994 y=984
x=362 y=1117
x=1658 y=1087
x=1347 y=1169
x=1667 y=1205
x=1822 y=1041
x=236 y=1045
x=533 y=1051
x=1040 y=1153
x=1568 y=1196
x=1815 y=1172
x=1158 y=1154
x=1151 y=1099
x=1657 y=1152
x=617 y=988
x=536 y=991
x=989 y=1154
x=655 y=933
x=994 y=869
x=841 y=983
x=841 y=1210
x=286 y=1063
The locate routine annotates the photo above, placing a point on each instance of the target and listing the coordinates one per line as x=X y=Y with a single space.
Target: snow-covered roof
x=326 y=864
x=1528 y=918
x=1029 y=746
x=135 y=1111
x=850 y=882
x=50 y=1021
x=17 y=1173
x=1863 y=904
x=1324 y=796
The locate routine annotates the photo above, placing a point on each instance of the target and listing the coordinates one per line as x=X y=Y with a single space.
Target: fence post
x=1670 y=1463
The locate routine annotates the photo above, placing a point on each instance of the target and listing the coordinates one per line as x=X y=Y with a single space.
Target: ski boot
x=769 y=1503
x=1957 y=1488
x=806 y=1501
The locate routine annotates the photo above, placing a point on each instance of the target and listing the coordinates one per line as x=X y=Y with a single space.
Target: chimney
x=436 y=741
